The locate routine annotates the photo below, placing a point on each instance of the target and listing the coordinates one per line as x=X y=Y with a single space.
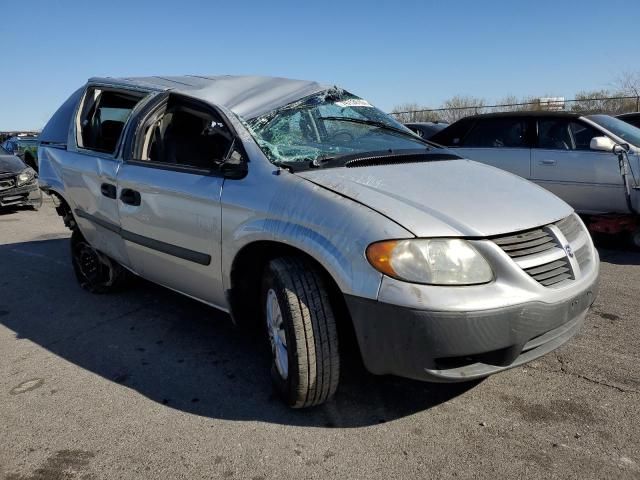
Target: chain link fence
x=585 y=105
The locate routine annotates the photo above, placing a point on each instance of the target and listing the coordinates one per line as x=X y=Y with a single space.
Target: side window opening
x=182 y=133
x=103 y=116
x=497 y=133
x=582 y=135
x=553 y=134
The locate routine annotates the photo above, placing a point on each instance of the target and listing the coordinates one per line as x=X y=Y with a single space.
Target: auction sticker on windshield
x=353 y=102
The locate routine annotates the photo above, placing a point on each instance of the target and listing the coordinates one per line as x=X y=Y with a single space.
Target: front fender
x=289 y=210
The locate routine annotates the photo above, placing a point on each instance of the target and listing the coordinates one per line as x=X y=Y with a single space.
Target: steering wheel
x=343 y=133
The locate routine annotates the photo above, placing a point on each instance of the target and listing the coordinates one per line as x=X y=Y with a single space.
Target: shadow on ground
x=616 y=249
x=12 y=210
x=177 y=351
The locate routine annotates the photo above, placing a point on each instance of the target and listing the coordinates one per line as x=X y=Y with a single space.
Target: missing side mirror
x=235 y=166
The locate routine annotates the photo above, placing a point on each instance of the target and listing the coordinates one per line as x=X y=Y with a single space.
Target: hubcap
x=277 y=337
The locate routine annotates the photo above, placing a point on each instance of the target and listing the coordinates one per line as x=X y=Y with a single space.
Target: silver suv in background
x=301 y=207
x=592 y=162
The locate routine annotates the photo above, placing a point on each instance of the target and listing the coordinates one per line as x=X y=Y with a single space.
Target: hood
x=11 y=164
x=446 y=198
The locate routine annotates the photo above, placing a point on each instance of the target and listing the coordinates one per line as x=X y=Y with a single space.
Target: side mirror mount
x=620 y=148
x=234 y=166
x=603 y=144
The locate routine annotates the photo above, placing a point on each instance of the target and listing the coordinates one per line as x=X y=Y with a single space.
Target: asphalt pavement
x=149 y=384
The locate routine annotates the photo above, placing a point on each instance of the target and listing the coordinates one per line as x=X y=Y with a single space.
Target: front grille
x=583 y=256
x=7 y=183
x=526 y=243
x=552 y=272
x=570 y=228
x=540 y=253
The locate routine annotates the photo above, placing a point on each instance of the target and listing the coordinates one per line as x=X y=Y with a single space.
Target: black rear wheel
x=94 y=271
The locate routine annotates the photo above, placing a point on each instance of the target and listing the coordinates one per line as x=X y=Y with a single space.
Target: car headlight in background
x=25 y=176
x=436 y=261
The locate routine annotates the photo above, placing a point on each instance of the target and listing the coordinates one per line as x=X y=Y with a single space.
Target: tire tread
x=315 y=330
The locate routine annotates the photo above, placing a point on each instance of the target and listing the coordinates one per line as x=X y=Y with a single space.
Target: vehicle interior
x=103 y=116
x=184 y=133
x=554 y=135
x=497 y=133
x=560 y=134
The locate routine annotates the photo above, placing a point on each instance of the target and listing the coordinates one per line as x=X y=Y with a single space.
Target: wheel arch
x=63 y=208
x=246 y=277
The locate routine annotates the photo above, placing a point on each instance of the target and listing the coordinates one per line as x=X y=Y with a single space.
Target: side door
x=90 y=165
x=563 y=163
x=502 y=142
x=169 y=191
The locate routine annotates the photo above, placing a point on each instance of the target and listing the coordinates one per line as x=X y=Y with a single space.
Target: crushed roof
x=247 y=96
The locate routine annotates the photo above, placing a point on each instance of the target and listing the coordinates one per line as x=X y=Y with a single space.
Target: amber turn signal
x=379 y=255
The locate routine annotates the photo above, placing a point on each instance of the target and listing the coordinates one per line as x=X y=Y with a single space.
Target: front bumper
x=26 y=195
x=453 y=346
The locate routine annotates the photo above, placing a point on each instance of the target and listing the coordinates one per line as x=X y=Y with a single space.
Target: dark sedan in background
x=18 y=183
x=25 y=147
x=631 y=118
x=426 y=129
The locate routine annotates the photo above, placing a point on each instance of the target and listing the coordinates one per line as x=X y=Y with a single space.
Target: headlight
x=437 y=261
x=26 y=176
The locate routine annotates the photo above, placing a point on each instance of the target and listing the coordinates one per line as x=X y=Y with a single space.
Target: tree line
x=623 y=96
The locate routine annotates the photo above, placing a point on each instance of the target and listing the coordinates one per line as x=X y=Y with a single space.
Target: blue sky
x=388 y=52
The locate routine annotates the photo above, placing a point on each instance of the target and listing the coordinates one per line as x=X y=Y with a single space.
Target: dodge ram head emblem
x=569 y=250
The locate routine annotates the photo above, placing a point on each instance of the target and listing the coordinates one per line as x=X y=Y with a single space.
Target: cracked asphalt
x=149 y=384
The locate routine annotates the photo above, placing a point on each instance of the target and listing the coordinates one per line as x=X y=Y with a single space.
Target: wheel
x=302 y=332
x=94 y=271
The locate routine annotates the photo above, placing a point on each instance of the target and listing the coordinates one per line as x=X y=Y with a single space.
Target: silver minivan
x=592 y=162
x=303 y=209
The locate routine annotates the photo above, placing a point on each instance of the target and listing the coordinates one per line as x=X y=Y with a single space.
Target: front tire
x=94 y=271
x=302 y=332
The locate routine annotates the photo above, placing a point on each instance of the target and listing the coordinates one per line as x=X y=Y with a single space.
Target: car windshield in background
x=621 y=129
x=327 y=125
x=3 y=151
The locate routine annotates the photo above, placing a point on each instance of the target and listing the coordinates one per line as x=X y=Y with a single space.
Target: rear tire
x=94 y=271
x=302 y=332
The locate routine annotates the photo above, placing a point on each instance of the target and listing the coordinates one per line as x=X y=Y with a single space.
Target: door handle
x=547 y=162
x=108 y=190
x=130 y=197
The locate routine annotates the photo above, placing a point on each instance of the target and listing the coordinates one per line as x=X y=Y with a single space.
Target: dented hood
x=11 y=164
x=446 y=198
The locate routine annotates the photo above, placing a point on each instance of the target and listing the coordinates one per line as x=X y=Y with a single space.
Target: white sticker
x=354 y=102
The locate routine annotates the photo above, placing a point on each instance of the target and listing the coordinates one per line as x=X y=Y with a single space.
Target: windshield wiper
x=375 y=123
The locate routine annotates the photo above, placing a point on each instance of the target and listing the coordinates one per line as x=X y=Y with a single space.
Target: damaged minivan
x=304 y=210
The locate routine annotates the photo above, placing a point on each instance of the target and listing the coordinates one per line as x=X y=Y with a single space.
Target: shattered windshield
x=328 y=125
